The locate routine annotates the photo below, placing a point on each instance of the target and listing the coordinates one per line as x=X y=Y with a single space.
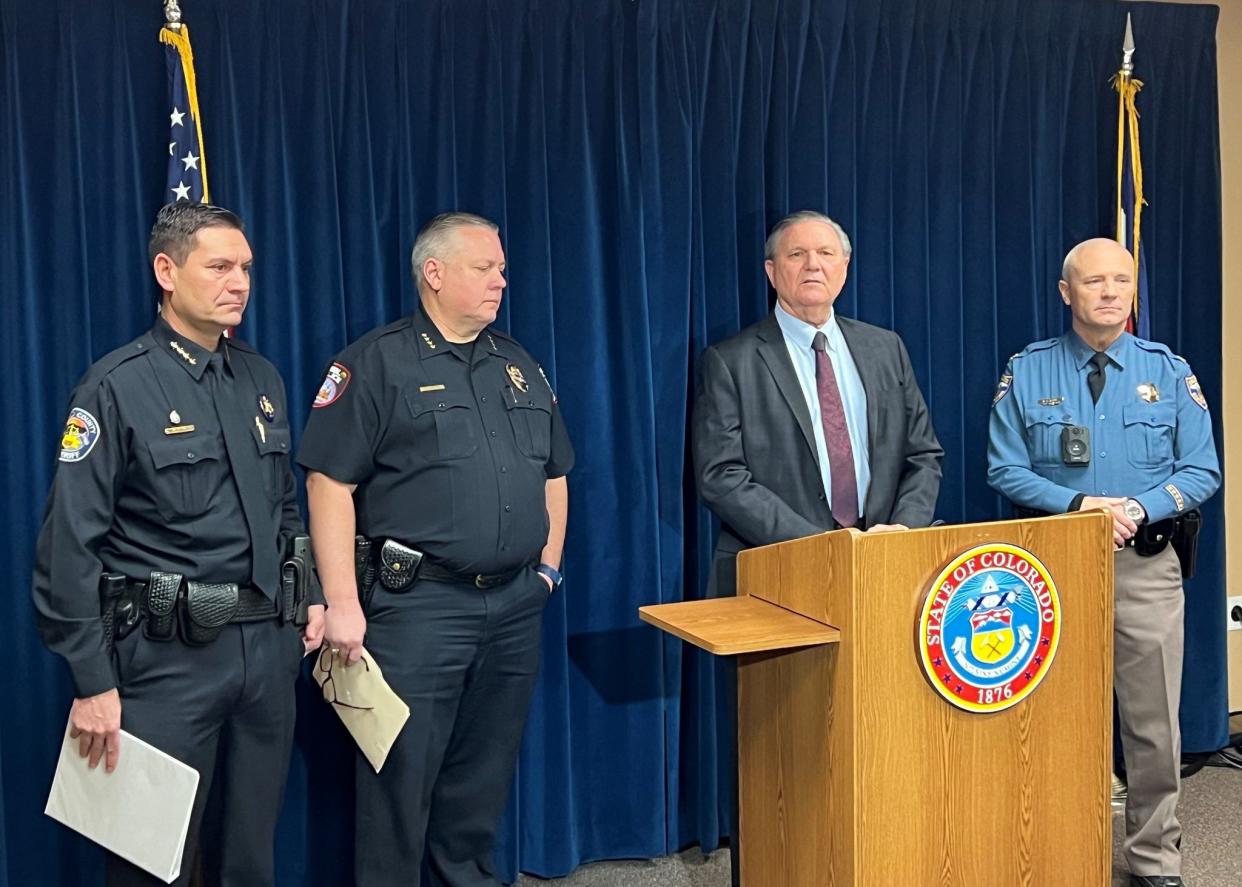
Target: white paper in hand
x=140 y=811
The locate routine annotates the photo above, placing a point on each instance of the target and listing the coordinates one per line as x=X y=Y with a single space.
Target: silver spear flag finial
x=1127 y=50
x=172 y=15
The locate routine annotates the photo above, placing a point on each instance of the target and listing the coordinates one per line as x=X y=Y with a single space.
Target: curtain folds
x=635 y=152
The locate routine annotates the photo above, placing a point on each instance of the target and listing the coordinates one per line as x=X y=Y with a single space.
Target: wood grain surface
x=727 y=626
x=854 y=771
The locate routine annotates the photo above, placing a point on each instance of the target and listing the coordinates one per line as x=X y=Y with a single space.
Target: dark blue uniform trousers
x=465 y=660
x=227 y=710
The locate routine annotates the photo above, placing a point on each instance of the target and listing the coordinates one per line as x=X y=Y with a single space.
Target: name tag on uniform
x=424 y=388
x=179 y=429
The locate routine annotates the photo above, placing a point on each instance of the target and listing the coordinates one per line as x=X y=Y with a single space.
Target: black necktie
x=1095 y=379
x=244 y=460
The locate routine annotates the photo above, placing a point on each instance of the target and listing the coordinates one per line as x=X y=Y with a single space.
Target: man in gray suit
x=806 y=421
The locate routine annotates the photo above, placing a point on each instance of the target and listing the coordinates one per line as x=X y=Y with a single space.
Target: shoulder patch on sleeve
x=79 y=437
x=1196 y=393
x=1006 y=381
x=1003 y=386
x=334 y=385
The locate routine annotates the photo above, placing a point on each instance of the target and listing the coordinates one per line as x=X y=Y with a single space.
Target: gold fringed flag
x=187 y=167
x=1130 y=184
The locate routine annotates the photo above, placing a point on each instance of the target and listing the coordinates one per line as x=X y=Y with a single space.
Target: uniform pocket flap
x=183 y=450
x=1153 y=414
x=423 y=402
x=272 y=440
x=525 y=402
x=1045 y=415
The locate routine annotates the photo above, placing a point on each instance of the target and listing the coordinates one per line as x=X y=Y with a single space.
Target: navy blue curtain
x=634 y=153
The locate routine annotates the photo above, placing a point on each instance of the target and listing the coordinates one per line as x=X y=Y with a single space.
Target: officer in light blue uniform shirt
x=1098 y=418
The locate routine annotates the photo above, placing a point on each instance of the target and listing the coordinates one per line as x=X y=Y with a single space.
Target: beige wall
x=1229 y=401
x=1229 y=76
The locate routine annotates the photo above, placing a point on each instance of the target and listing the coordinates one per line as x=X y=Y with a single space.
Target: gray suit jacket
x=754 y=449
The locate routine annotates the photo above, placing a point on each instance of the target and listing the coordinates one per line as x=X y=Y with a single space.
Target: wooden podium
x=852 y=770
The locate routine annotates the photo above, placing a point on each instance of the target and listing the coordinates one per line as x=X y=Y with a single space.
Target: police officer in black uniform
x=437 y=439
x=159 y=561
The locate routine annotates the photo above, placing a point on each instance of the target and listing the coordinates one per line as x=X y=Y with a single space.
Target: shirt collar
x=184 y=351
x=802 y=334
x=430 y=342
x=1117 y=352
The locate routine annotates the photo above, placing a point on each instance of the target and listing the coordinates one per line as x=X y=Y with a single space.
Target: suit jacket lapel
x=775 y=354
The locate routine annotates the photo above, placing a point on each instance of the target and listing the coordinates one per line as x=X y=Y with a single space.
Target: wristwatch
x=552 y=573
x=1134 y=511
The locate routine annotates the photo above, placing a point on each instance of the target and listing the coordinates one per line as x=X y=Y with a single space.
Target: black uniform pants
x=227 y=710
x=465 y=662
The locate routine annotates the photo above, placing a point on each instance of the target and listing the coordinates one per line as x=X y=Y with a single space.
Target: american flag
x=187 y=168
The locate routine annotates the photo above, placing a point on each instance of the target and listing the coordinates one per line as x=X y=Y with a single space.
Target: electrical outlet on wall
x=1233 y=612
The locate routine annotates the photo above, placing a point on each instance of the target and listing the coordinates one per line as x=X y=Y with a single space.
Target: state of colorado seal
x=989 y=627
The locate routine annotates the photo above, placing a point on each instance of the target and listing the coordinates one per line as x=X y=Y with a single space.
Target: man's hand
x=312 y=632
x=344 y=628
x=95 y=722
x=886 y=528
x=551 y=587
x=1123 y=528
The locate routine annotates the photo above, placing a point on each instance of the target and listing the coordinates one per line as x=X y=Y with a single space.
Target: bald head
x=1095 y=248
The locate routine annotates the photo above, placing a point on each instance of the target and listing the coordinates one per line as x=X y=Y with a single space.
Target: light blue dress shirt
x=798 y=338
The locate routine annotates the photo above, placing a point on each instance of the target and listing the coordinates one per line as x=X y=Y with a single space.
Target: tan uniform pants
x=1147 y=675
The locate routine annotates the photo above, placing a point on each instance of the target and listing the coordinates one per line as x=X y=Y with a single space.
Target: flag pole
x=1129 y=211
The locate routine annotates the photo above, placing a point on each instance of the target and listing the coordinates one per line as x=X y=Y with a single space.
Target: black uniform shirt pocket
x=1149 y=433
x=1043 y=434
x=187 y=472
x=274 y=443
x=443 y=425
x=532 y=425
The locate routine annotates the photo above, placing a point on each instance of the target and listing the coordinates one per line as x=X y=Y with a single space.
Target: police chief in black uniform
x=174 y=495
x=439 y=436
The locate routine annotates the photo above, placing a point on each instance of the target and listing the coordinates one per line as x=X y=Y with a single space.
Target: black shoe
x=1155 y=881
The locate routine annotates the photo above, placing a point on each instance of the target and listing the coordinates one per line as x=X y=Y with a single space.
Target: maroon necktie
x=836 y=436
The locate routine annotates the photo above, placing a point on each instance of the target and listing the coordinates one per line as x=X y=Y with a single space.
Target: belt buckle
x=480 y=581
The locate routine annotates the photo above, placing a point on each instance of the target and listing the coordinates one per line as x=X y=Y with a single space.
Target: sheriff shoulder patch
x=334 y=385
x=79 y=437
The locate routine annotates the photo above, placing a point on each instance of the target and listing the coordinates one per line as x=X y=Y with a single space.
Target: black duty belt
x=252 y=604
x=436 y=573
x=1181 y=531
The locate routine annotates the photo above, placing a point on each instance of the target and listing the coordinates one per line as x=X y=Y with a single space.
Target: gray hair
x=175 y=232
x=434 y=241
x=804 y=215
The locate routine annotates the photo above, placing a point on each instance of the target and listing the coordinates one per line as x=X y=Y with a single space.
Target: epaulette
x=101 y=368
x=1158 y=348
x=1036 y=347
x=370 y=338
